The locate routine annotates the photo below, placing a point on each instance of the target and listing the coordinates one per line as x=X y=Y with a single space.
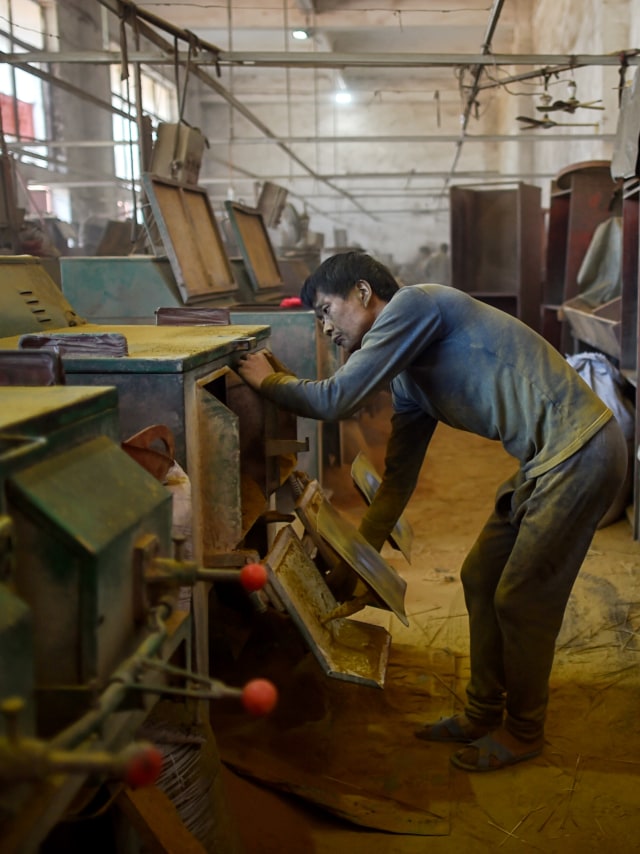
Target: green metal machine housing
x=76 y=504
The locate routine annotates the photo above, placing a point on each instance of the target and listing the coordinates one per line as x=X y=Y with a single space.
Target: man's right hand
x=254 y=367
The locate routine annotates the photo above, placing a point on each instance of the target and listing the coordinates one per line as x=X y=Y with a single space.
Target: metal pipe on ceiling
x=473 y=91
x=286 y=59
x=414 y=60
x=421 y=138
x=541 y=136
x=477 y=70
x=484 y=176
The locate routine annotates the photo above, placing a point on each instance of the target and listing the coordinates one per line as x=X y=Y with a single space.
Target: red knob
x=259 y=697
x=144 y=768
x=253 y=577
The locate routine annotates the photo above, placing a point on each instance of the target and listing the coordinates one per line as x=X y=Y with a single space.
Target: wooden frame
x=186 y=224
x=255 y=247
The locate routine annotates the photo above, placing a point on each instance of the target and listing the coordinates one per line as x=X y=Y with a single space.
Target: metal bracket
x=7 y=549
x=281 y=447
x=144 y=553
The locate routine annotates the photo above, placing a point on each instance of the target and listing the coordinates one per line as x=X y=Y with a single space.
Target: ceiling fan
x=548 y=105
x=570 y=105
x=546 y=122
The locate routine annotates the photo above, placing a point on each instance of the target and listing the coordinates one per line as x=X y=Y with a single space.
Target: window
x=21 y=94
x=32 y=25
x=160 y=104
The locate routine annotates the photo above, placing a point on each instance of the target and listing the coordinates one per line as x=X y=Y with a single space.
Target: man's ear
x=365 y=291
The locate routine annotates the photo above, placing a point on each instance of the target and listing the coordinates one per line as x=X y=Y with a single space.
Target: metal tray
x=345 y=649
x=327 y=527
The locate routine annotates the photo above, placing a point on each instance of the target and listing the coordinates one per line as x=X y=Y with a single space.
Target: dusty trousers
x=518 y=576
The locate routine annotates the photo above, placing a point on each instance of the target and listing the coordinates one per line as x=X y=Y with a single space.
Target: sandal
x=456 y=728
x=491 y=755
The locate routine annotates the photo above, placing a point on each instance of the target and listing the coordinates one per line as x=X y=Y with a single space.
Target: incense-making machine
x=95 y=626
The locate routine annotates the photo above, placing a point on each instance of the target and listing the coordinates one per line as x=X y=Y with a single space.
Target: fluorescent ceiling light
x=301 y=35
x=343 y=97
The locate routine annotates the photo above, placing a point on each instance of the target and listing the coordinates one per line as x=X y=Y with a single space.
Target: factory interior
x=181 y=669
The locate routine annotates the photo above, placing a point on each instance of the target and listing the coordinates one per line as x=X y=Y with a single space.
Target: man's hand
x=254 y=367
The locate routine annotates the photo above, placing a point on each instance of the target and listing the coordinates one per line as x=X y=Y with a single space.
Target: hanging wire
x=181 y=95
x=316 y=124
x=230 y=191
x=287 y=72
x=127 y=13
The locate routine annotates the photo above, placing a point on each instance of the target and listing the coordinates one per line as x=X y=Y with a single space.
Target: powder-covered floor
x=583 y=793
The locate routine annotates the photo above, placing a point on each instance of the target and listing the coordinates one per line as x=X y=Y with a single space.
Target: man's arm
x=406 y=449
x=409 y=324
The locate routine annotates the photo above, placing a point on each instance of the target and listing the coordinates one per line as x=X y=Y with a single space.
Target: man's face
x=345 y=320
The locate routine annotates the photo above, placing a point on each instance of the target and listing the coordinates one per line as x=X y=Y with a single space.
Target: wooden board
x=190 y=237
x=349 y=748
x=157 y=821
x=255 y=246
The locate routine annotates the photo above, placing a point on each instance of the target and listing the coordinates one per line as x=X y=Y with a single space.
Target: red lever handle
x=259 y=697
x=253 y=577
x=144 y=767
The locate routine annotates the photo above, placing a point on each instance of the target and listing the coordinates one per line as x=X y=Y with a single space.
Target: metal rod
x=539 y=136
x=472 y=94
x=416 y=60
x=477 y=71
x=64 y=143
x=111 y=699
x=67 y=87
x=418 y=138
x=286 y=59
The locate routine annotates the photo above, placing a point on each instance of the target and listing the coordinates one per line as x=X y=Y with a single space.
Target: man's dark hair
x=339 y=274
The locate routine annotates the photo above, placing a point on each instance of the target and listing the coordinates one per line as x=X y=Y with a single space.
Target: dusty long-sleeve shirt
x=448 y=357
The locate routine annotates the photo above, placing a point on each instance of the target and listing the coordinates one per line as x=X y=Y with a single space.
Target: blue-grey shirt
x=448 y=357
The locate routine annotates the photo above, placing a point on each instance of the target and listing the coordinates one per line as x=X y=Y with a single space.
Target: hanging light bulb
x=342 y=95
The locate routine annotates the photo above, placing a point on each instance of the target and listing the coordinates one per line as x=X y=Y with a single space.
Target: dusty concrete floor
x=582 y=793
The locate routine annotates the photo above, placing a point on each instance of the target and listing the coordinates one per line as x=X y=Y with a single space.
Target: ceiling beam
x=417 y=60
x=540 y=136
x=536 y=136
x=486 y=176
x=285 y=59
